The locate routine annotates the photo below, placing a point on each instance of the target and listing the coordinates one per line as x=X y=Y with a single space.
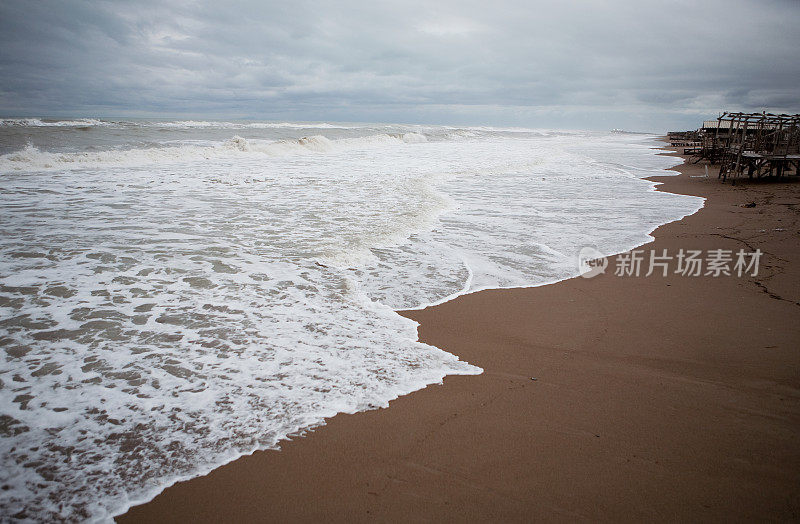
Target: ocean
x=177 y=294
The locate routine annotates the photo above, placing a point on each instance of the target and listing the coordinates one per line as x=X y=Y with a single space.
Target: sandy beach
x=610 y=398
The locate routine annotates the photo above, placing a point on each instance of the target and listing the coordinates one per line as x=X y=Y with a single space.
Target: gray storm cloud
x=596 y=64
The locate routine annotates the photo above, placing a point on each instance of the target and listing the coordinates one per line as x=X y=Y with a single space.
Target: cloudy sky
x=630 y=64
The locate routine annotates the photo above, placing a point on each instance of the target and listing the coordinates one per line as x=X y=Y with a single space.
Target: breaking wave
x=36 y=122
x=204 y=124
x=170 y=124
x=31 y=158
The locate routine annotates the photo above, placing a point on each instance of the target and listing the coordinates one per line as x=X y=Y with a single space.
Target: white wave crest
x=31 y=158
x=205 y=124
x=170 y=124
x=37 y=122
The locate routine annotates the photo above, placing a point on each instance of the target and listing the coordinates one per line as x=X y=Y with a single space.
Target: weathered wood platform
x=758 y=144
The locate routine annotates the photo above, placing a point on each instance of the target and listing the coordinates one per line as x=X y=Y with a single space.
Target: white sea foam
x=189 y=124
x=30 y=158
x=166 y=309
x=176 y=124
x=37 y=122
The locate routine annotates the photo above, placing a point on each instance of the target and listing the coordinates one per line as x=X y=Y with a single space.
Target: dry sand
x=660 y=398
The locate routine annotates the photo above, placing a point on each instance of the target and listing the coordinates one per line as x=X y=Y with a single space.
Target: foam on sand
x=169 y=307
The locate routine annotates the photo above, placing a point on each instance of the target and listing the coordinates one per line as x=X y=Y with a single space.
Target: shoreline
x=616 y=424
x=465 y=291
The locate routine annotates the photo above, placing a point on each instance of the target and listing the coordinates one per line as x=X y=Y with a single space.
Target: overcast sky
x=634 y=64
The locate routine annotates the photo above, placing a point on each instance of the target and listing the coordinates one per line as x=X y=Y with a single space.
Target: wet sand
x=659 y=398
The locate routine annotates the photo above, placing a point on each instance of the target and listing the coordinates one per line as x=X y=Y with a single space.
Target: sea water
x=174 y=295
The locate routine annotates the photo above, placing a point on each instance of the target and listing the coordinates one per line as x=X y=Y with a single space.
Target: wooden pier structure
x=759 y=144
x=746 y=144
